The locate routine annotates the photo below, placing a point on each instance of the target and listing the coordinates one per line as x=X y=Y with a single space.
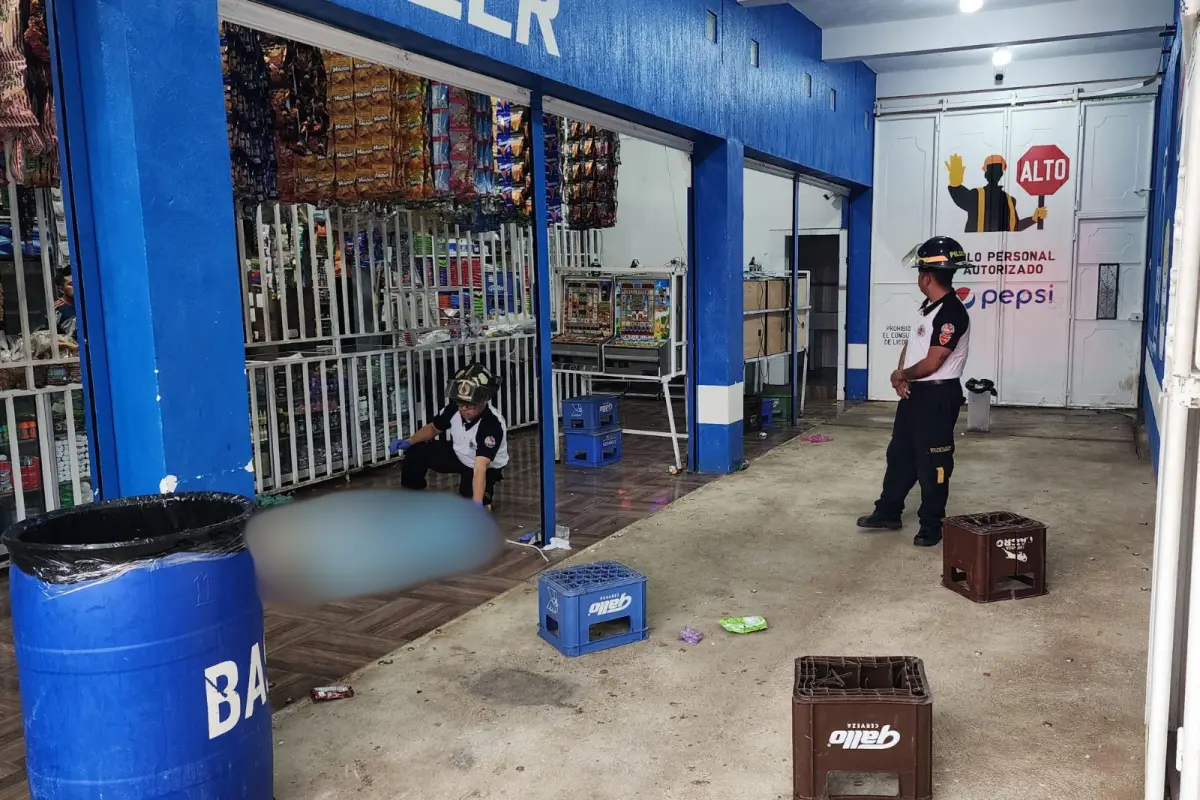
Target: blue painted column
x=794 y=298
x=146 y=162
x=541 y=257
x=717 y=326
x=858 y=293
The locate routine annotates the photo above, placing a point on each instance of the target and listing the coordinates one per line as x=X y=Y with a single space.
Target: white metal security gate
x=355 y=321
x=1041 y=319
x=45 y=462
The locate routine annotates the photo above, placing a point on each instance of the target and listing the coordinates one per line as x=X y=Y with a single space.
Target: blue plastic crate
x=592 y=450
x=593 y=412
x=501 y=295
x=768 y=411
x=592 y=607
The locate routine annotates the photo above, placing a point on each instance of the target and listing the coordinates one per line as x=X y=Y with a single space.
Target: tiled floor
x=310 y=647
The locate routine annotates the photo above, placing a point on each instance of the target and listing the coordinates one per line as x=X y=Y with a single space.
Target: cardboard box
x=754 y=295
x=779 y=333
x=753 y=337
x=802 y=298
x=777 y=294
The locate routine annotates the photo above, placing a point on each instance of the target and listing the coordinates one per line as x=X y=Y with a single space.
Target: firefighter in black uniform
x=928 y=382
x=989 y=209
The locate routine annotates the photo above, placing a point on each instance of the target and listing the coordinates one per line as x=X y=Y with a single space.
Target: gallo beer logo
x=866 y=736
x=1019 y=298
x=1014 y=549
x=610 y=605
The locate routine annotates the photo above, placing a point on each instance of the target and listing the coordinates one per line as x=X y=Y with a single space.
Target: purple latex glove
x=398 y=445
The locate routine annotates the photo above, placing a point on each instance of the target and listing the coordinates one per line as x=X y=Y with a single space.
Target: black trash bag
x=976 y=386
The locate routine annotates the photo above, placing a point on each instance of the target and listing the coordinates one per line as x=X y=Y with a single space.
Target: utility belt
x=943 y=384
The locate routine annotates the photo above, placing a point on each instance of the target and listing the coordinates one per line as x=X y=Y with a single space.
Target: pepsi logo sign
x=1018 y=298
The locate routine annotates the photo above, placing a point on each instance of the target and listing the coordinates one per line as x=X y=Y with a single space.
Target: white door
x=1034 y=302
x=1110 y=264
x=1110 y=270
x=906 y=167
x=978 y=140
x=1118 y=147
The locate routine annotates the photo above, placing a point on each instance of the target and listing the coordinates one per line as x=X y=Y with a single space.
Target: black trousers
x=922 y=451
x=440 y=457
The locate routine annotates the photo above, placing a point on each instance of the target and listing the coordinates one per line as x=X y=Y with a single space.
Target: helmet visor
x=914 y=260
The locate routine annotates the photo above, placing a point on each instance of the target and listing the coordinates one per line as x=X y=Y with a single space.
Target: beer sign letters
x=479 y=17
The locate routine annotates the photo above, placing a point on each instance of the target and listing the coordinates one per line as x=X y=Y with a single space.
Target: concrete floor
x=1033 y=699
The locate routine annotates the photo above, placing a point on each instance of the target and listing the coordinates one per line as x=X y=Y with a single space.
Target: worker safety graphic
x=989 y=208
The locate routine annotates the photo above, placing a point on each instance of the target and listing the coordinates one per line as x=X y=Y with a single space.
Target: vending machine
x=586 y=320
x=649 y=339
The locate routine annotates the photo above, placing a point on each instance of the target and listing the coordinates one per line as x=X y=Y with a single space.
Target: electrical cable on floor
x=532 y=547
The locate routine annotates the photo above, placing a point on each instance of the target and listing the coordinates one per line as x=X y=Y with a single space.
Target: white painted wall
x=652 y=210
x=652 y=224
x=1017 y=24
x=1051 y=349
x=1021 y=78
x=767 y=200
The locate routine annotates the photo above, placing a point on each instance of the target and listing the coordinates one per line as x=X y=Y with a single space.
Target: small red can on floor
x=994 y=556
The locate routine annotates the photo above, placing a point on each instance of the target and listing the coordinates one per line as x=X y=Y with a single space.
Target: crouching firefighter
x=476 y=447
x=928 y=382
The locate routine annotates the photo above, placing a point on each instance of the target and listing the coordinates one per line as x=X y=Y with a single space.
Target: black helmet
x=940 y=252
x=473 y=383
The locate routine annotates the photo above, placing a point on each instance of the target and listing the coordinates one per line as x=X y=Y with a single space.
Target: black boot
x=876 y=522
x=928 y=537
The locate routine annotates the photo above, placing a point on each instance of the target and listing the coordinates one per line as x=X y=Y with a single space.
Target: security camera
x=828 y=196
x=998 y=75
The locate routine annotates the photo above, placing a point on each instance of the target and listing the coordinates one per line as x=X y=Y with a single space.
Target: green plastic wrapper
x=744 y=624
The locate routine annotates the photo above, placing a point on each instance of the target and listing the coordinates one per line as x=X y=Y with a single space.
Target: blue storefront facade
x=145 y=148
x=1167 y=138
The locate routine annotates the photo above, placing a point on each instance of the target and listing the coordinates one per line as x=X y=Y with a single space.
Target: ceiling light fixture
x=1001 y=58
x=969 y=6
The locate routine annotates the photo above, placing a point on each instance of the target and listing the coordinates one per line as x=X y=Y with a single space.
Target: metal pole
x=689 y=327
x=792 y=294
x=541 y=257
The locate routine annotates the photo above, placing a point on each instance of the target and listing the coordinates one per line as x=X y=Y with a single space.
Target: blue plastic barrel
x=139 y=642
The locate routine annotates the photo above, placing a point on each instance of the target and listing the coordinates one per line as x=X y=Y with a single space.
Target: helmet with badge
x=472 y=384
x=940 y=252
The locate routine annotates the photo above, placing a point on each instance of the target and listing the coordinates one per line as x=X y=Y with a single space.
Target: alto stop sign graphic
x=1042 y=171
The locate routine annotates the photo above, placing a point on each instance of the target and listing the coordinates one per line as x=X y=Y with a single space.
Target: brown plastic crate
x=862 y=727
x=995 y=556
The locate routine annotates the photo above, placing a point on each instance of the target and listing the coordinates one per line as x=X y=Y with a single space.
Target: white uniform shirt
x=941 y=324
x=486 y=436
